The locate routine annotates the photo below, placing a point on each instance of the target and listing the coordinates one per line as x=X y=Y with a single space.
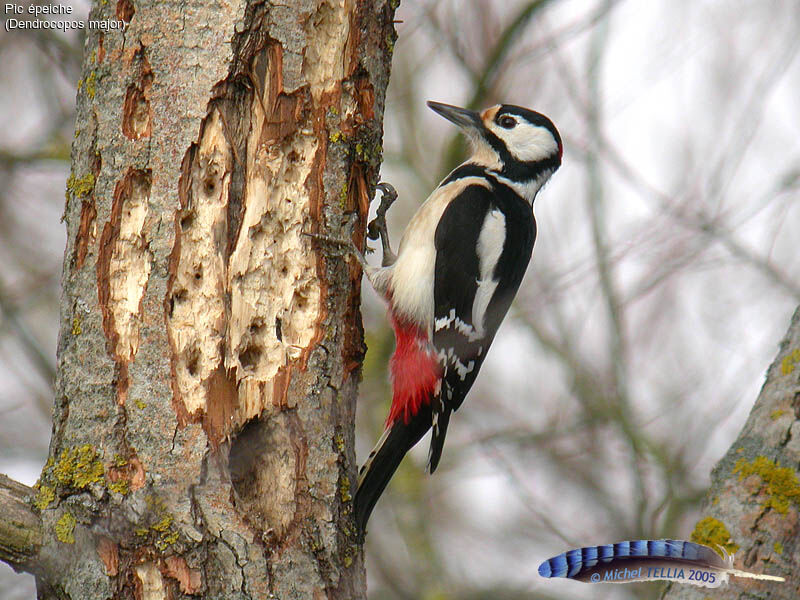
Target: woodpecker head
x=518 y=144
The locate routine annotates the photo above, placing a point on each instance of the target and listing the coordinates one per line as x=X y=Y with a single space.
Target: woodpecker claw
x=377 y=227
x=346 y=244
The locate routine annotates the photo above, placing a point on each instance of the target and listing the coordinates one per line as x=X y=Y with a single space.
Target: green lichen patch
x=163 y=524
x=160 y=525
x=80 y=187
x=790 y=361
x=338 y=441
x=78 y=467
x=120 y=486
x=65 y=528
x=343 y=196
x=166 y=539
x=778 y=547
x=780 y=483
x=344 y=489
x=777 y=414
x=91 y=84
x=712 y=532
x=44 y=496
x=366 y=152
x=76 y=325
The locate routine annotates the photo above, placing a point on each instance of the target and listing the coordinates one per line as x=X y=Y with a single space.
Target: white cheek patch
x=527 y=143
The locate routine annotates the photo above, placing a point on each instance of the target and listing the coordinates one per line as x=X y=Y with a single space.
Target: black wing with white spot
x=483 y=245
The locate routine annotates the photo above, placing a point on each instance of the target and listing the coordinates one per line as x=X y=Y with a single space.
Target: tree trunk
x=209 y=352
x=753 y=506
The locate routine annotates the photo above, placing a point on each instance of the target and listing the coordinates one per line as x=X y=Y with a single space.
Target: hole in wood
x=250 y=356
x=192 y=360
x=187 y=220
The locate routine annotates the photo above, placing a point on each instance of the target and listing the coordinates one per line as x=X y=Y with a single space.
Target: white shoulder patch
x=490 y=247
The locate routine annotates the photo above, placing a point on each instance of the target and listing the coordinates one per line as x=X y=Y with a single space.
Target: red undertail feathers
x=415 y=370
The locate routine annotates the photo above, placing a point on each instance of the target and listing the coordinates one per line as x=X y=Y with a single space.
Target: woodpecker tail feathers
x=397 y=439
x=441 y=418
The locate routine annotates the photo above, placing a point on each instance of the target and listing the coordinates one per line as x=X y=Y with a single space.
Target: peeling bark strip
x=108 y=552
x=208 y=451
x=87 y=232
x=123 y=265
x=137 y=116
x=123 y=268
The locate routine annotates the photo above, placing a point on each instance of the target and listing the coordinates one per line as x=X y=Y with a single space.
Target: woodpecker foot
x=377 y=227
x=346 y=245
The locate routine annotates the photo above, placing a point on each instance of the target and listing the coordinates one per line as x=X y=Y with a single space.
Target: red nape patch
x=415 y=370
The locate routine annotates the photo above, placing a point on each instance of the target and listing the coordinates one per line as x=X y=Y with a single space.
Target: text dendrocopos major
x=458 y=267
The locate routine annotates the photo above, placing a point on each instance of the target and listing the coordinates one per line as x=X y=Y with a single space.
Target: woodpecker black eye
x=507 y=122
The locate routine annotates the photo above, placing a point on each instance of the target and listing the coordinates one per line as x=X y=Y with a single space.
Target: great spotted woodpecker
x=459 y=264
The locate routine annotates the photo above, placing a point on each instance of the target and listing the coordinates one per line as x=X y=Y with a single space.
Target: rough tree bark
x=753 y=506
x=209 y=352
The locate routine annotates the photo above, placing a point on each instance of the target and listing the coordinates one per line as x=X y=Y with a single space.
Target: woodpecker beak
x=460 y=116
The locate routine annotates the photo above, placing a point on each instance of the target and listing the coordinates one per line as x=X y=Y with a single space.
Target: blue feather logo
x=647 y=560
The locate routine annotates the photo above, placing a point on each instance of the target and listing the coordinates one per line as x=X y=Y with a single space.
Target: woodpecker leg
x=377 y=227
x=345 y=244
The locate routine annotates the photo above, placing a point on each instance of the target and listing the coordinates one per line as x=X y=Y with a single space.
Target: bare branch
x=20 y=527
